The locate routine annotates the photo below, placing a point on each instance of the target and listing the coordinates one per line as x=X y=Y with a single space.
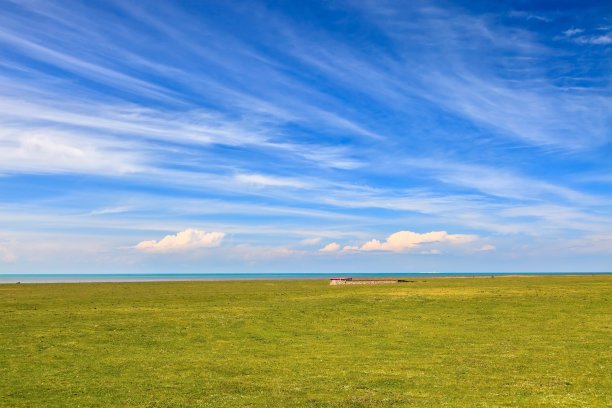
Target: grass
x=513 y=341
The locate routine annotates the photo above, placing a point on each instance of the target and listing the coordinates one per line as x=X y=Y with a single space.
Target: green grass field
x=513 y=341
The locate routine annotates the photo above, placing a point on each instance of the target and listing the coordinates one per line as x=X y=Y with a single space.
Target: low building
x=339 y=281
x=350 y=281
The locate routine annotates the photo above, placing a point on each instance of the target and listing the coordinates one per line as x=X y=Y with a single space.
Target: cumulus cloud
x=333 y=247
x=404 y=240
x=183 y=241
x=487 y=248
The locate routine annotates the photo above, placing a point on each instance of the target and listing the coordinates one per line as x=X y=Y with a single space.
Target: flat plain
x=457 y=342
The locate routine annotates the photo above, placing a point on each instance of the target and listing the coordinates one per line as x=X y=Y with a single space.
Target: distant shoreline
x=84 y=278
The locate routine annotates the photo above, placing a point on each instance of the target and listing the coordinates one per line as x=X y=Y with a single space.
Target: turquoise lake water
x=57 y=278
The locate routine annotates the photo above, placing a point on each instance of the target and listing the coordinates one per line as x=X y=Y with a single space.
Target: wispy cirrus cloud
x=268 y=181
x=605 y=39
x=437 y=116
x=310 y=241
x=44 y=151
x=529 y=16
x=85 y=68
x=572 y=31
x=536 y=110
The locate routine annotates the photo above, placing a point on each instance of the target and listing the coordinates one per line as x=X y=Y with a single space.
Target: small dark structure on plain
x=350 y=281
x=339 y=281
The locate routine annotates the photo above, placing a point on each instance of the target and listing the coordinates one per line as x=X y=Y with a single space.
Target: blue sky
x=335 y=136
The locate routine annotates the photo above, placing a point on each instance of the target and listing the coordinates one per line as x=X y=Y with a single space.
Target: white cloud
x=487 y=248
x=602 y=39
x=350 y=248
x=182 y=241
x=597 y=40
x=333 y=247
x=601 y=243
x=49 y=151
x=495 y=181
x=109 y=210
x=310 y=241
x=431 y=252
x=403 y=240
x=269 y=181
x=572 y=31
x=529 y=16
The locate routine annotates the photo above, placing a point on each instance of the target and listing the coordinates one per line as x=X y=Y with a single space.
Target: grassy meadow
x=456 y=342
